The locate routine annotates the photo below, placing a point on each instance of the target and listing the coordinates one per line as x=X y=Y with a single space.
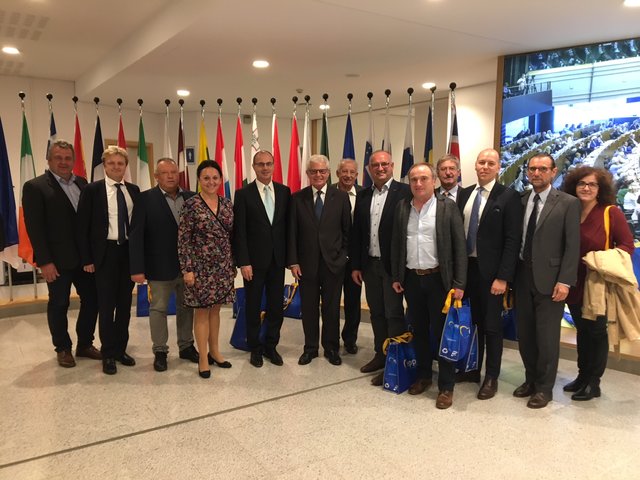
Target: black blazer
x=308 y=237
x=153 y=239
x=499 y=232
x=359 y=243
x=255 y=240
x=51 y=221
x=93 y=221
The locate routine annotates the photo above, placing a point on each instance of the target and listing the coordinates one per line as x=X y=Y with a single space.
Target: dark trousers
x=538 y=319
x=58 y=306
x=326 y=286
x=486 y=311
x=352 y=293
x=425 y=295
x=385 y=305
x=592 y=345
x=271 y=280
x=114 y=285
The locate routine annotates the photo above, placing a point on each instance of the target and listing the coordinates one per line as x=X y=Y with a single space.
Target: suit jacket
x=256 y=240
x=556 y=240
x=93 y=221
x=450 y=241
x=359 y=244
x=358 y=189
x=51 y=221
x=153 y=237
x=309 y=238
x=499 y=232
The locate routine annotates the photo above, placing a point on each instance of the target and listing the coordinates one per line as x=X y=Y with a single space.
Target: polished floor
x=291 y=422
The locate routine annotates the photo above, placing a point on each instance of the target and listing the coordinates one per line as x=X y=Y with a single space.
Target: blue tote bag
x=456 y=334
x=400 y=367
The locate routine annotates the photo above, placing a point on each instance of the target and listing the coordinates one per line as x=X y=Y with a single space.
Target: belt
x=426 y=271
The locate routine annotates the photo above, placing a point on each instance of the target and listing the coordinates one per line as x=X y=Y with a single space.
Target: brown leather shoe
x=444 y=400
x=419 y=386
x=65 y=359
x=377 y=380
x=473 y=376
x=539 y=400
x=488 y=389
x=377 y=363
x=89 y=352
x=524 y=390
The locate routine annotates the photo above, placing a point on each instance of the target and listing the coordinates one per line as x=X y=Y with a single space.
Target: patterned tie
x=268 y=203
x=474 y=220
x=531 y=228
x=319 y=204
x=123 y=215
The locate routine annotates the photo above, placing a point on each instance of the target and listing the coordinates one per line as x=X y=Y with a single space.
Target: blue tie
x=474 y=220
x=268 y=203
x=319 y=204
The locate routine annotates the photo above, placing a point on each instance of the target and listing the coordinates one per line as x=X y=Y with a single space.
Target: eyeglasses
x=318 y=171
x=538 y=169
x=382 y=165
x=591 y=185
x=264 y=164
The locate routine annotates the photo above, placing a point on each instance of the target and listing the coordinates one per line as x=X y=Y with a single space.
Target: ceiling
x=149 y=48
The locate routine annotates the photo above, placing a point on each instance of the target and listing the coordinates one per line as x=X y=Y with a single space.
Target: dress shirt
x=261 y=186
x=469 y=205
x=112 y=204
x=352 y=198
x=378 y=198
x=452 y=194
x=71 y=190
x=422 y=250
x=527 y=213
x=175 y=204
x=315 y=193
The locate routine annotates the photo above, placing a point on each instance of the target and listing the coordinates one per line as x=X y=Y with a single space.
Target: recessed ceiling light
x=324 y=106
x=428 y=85
x=632 y=3
x=183 y=93
x=260 y=64
x=11 y=50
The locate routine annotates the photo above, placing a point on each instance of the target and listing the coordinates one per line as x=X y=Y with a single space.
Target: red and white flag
x=275 y=150
x=293 y=175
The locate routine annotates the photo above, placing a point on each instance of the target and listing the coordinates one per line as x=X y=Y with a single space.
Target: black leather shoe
x=377 y=380
x=539 y=400
x=351 y=348
x=488 y=389
x=586 y=393
x=190 y=353
x=204 y=374
x=274 y=357
x=377 y=363
x=160 y=361
x=578 y=384
x=524 y=390
x=333 y=357
x=306 y=358
x=473 y=376
x=126 y=360
x=109 y=366
x=256 y=359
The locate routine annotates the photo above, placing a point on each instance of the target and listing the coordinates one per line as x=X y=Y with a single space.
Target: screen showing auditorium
x=580 y=104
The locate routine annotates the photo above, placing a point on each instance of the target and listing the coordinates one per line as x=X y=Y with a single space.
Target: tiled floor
x=290 y=422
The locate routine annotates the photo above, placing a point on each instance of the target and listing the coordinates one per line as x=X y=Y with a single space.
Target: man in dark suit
x=347 y=174
x=448 y=170
x=549 y=258
x=259 y=243
x=428 y=258
x=370 y=254
x=104 y=213
x=153 y=257
x=319 y=224
x=50 y=202
x=493 y=225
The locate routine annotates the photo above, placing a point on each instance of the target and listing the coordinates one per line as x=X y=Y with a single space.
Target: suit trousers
x=486 y=311
x=271 y=281
x=58 y=306
x=538 y=320
x=592 y=345
x=159 y=294
x=114 y=285
x=326 y=285
x=352 y=293
x=425 y=296
x=385 y=305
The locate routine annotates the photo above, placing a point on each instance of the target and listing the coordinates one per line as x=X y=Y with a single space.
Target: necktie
x=319 y=204
x=531 y=228
x=474 y=219
x=268 y=203
x=123 y=215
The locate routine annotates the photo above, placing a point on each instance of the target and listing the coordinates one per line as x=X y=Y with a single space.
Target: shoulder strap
x=607 y=227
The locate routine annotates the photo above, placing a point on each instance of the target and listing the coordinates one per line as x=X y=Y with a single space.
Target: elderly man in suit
x=448 y=170
x=549 y=258
x=319 y=225
x=428 y=258
x=104 y=214
x=50 y=202
x=370 y=255
x=259 y=243
x=492 y=221
x=153 y=257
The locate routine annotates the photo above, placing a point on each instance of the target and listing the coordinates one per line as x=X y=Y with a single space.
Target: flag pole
x=22 y=96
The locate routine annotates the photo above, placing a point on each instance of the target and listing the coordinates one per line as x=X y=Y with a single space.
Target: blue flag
x=7 y=207
x=428 y=142
x=349 y=150
x=97 y=170
x=407 y=151
x=368 y=150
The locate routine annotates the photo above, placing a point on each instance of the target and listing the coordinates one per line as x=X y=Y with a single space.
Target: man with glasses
x=319 y=225
x=548 y=266
x=448 y=170
x=370 y=254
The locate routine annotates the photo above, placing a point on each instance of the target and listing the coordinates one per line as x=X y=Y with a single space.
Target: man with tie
x=548 y=266
x=104 y=213
x=319 y=225
x=493 y=224
x=259 y=243
x=50 y=202
x=153 y=257
x=448 y=169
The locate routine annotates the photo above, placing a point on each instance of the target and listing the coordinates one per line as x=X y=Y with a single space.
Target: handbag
x=143 y=299
x=456 y=334
x=400 y=368
x=470 y=361
x=509 y=327
x=292 y=304
x=239 y=335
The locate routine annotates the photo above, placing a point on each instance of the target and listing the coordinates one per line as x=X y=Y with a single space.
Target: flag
x=407 y=151
x=428 y=142
x=53 y=133
x=221 y=159
x=27 y=172
x=453 y=147
x=348 y=151
x=79 y=167
x=255 y=145
x=97 y=169
x=122 y=143
x=293 y=175
x=203 y=149
x=306 y=149
x=368 y=150
x=324 y=140
x=238 y=157
x=275 y=149
x=386 y=139
x=182 y=164
x=166 y=146
x=7 y=208
x=144 y=176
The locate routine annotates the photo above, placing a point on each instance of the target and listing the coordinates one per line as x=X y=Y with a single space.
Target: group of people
x=406 y=242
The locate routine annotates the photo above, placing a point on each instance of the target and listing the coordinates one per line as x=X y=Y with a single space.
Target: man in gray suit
x=548 y=266
x=428 y=258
